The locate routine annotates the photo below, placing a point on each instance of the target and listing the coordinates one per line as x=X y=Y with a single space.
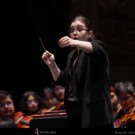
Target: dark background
x=22 y=22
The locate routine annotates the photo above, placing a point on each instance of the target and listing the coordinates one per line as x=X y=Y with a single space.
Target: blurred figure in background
x=30 y=103
x=7 y=110
x=59 y=91
x=125 y=118
x=114 y=99
x=48 y=101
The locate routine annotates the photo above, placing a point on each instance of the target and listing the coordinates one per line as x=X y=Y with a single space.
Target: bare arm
x=55 y=71
x=86 y=46
x=49 y=59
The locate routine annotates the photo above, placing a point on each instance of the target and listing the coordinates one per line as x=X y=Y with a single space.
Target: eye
x=8 y=103
x=79 y=29
x=71 y=30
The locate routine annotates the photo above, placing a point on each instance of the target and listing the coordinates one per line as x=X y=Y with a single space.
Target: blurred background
x=23 y=22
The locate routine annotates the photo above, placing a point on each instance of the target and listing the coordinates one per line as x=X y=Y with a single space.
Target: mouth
x=8 y=113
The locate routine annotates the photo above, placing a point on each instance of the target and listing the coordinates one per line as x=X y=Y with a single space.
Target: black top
x=89 y=84
x=73 y=95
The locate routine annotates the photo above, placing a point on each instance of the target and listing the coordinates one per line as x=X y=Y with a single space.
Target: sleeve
x=99 y=49
x=61 y=78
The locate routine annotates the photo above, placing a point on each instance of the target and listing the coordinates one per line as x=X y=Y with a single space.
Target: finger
x=48 y=53
x=64 y=43
x=45 y=55
x=65 y=38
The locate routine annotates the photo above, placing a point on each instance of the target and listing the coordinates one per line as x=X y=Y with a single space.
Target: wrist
x=52 y=64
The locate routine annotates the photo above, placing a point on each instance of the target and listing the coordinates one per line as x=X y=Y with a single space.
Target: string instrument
x=43 y=110
x=127 y=118
x=21 y=120
x=59 y=106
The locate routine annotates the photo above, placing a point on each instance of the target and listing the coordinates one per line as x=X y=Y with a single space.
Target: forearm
x=84 y=45
x=55 y=71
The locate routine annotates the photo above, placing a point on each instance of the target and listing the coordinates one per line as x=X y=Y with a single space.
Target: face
x=59 y=92
x=48 y=100
x=32 y=104
x=114 y=99
x=6 y=108
x=79 y=31
x=126 y=101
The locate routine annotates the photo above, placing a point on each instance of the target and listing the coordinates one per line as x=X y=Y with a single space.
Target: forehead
x=77 y=23
x=7 y=98
x=31 y=97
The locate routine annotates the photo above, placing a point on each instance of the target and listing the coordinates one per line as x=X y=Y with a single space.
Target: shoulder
x=98 y=44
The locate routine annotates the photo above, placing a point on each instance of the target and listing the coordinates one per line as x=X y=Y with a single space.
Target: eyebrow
x=77 y=26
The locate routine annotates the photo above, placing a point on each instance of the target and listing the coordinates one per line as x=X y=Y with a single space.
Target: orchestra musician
x=114 y=99
x=30 y=107
x=59 y=91
x=125 y=118
x=7 y=110
x=47 y=99
x=30 y=104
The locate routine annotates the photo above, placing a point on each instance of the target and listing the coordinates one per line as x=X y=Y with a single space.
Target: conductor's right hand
x=48 y=58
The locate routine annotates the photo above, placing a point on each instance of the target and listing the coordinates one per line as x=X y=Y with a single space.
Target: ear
x=90 y=33
x=134 y=94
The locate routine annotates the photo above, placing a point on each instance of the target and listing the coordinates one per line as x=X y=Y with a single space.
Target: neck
x=78 y=50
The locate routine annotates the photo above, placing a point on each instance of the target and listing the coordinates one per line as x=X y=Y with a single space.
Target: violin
x=60 y=106
x=21 y=120
x=43 y=110
x=126 y=119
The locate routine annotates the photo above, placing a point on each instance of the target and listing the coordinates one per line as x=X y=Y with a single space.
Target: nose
x=75 y=31
x=33 y=102
x=6 y=106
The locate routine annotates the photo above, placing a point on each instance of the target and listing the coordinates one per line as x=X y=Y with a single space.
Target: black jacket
x=91 y=82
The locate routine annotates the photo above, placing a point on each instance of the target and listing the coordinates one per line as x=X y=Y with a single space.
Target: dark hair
x=83 y=19
x=4 y=94
x=23 y=102
x=47 y=90
x=124 y=87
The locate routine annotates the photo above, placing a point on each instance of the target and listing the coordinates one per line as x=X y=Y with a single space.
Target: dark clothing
x=8 y=123
x=72 y=94
x=74 y=112
x=88 y=85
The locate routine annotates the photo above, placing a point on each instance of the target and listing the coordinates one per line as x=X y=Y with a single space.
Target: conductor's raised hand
x=48 y=58
x=67 y=41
